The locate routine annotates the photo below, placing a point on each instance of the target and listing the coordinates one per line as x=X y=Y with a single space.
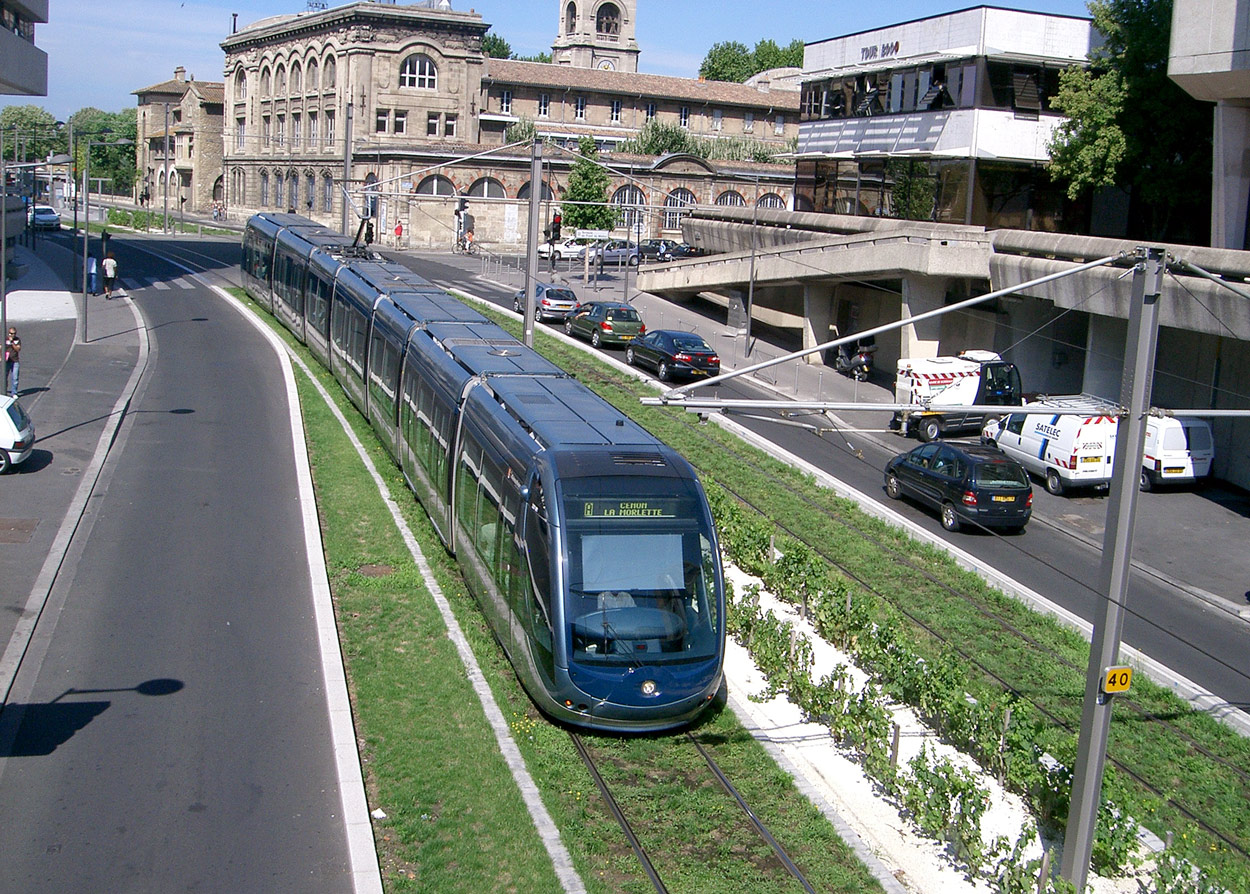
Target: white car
x=568 y=248
x=44 y=217
x=17 y=433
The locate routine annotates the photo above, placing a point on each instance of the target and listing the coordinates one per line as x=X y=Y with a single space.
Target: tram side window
x=538 y=590
x=489 y=517
x=424 y=425
x=295 y=285
x=319 y=291
x=511 y=564
x=466 y=487
x=384 y=374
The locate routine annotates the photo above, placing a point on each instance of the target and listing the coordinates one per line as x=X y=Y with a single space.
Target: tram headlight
x=649 y=688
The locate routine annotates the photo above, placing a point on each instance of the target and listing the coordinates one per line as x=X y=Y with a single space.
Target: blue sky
x=98 y=53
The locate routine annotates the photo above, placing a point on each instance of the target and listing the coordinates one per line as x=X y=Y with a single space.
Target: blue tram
x=588 y=543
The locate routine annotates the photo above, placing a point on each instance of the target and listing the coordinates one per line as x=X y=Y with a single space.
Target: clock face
x=606 y=65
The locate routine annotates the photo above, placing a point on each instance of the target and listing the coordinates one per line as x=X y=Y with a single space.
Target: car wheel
x=629 y=356
x=568 y=327
x=930 y=429
x=662 y=371
x=4 y=461
x=633 y=261
x=1146 y=481
x=595 y=340
x=950 y=521
x=1054 y=484
x=893 y=489
x=516 y=306
x=558 y=257
x=538 y=315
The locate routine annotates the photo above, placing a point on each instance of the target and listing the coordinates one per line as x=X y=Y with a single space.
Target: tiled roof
x=212 y=91
x=541 y=74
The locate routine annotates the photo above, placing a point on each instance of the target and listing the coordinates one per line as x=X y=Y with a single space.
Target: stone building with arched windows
x=401 y=98
x=178 y=144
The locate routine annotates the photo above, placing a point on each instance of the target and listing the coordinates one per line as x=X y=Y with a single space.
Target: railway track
x=780 y=865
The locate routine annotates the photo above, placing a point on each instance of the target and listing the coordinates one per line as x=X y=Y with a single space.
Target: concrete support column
x=1230 y=186
x=818 y=300
x=1104 y=356
x=921 y=294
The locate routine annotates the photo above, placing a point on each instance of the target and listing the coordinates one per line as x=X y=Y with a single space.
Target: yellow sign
x=1116 y=679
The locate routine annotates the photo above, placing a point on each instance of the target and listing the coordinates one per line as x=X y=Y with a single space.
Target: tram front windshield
x=642 y=576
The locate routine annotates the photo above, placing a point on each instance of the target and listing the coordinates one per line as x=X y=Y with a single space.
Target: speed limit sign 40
x=1116 y=679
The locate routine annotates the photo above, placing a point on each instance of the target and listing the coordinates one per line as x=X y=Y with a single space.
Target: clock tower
x=597 y=34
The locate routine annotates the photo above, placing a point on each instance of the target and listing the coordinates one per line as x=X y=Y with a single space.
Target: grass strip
x=455 y=822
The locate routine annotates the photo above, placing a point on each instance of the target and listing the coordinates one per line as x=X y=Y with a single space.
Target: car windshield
x=623 y=315
x=20 y=420
x=1001 y=474
x=561 y=295
x=691 y=344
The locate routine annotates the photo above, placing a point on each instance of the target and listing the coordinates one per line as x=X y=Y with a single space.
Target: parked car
x=17 y=434
x=654 y=249
x=615 y=251
x=568 y=248
x=605 y=323
x=679 y=250
x=551 y=301
x=44 y=217
x=671 y=354
x=966 y=483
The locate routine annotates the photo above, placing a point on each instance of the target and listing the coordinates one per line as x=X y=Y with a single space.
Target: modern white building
x=945 y=118
x=23 y=66
x=1210 y=59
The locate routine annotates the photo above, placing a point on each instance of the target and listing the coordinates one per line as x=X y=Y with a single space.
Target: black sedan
x=967 y=484
x=672 y=354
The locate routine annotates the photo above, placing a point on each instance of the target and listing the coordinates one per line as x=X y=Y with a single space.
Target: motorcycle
x=857 y=365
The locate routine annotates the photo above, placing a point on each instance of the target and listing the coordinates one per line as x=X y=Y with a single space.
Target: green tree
x=523 y=131
x=588 y=182
x=496 y=47
x=539 y=57
x=30 y=133
x=913 y=189
x=116 y=163
x=1132 y=127
x=727 y=61
x=658 y=138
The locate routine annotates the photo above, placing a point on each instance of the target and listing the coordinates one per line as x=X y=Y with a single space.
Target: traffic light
x=369 y=233
x=462 y=205
x=555 y=228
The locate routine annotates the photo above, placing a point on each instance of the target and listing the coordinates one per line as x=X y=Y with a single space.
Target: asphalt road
x=1196 y=539
x=174 y=734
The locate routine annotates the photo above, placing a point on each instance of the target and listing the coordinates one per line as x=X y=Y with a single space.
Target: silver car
x=43 y=217
x=551 y=301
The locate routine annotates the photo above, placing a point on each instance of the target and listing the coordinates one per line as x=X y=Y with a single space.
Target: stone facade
x=421 y=94
x=186 y=167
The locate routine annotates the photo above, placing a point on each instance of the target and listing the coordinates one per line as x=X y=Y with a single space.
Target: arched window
x=311 y=80
x=570 y=18
x=418 y=71
x=608 y=20
x=219 y=188
x=327 y=193
x=310 y=190
x=633 y=202
x=487 y=188
x=278 y=190
x=292 y=182
x=675 y=200
x=731 y=198
x=297 y=78
x=279 y=81
x=264 y=81
x=240 y=85
x=264 y=189
x=436 y=185
x=524 y=192
x=328 y=74
x=770 y=200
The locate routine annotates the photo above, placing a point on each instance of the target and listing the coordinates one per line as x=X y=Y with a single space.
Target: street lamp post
x=86 y=212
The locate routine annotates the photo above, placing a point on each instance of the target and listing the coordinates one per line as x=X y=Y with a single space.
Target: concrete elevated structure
x=816 y=271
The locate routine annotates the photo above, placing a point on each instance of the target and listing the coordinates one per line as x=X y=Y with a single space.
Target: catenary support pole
x=1117 y=549
x=531 y=242
x=347 y=166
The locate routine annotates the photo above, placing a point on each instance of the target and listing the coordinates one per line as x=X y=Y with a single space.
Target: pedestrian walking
x=12 y=353
x=110 y=275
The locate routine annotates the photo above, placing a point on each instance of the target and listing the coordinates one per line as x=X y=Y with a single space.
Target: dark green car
x=605 y=323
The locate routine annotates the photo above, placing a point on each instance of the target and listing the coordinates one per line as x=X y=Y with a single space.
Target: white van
x=17 y=433
x=1064 y=450
x=1178 y=450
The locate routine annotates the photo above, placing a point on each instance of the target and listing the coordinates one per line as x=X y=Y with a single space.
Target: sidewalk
x=76 y=392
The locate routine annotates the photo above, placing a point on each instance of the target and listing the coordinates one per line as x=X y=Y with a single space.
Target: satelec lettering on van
x=1048 y=430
